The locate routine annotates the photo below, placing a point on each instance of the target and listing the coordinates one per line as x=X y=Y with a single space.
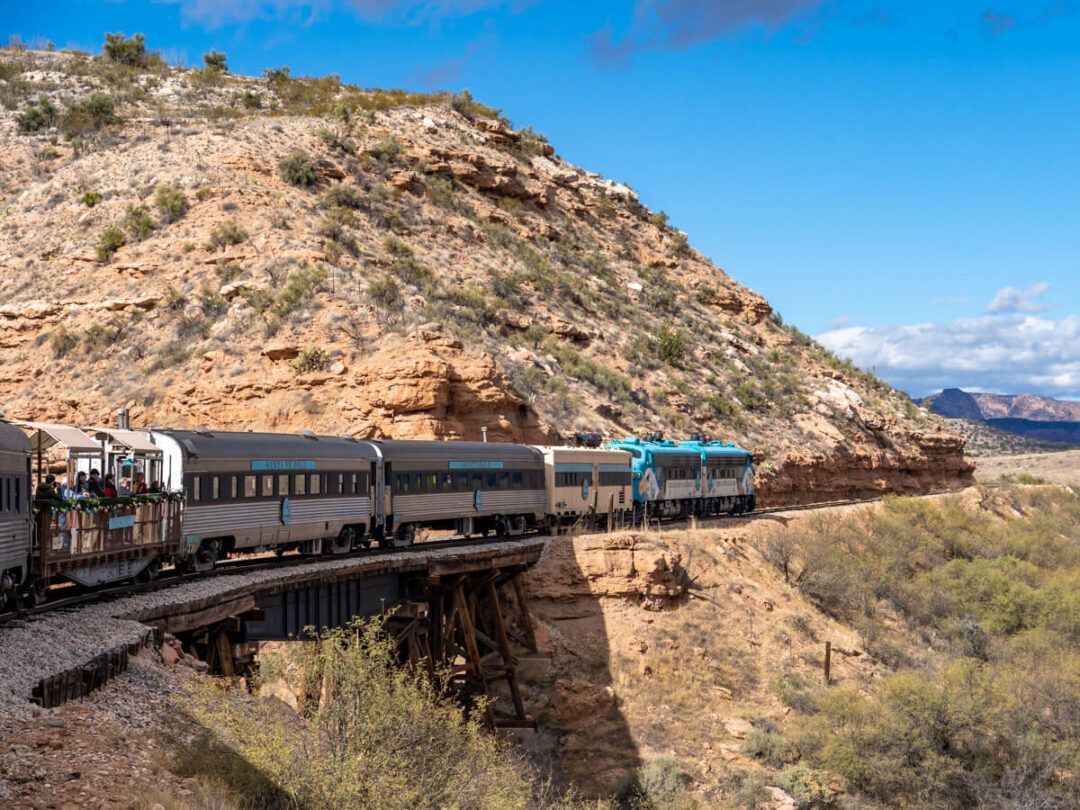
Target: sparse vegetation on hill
x=422 y=210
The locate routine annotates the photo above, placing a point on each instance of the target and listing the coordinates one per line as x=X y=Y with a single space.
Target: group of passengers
x=94 y=486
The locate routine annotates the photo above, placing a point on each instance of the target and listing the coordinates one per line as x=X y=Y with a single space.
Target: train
x=226 y=493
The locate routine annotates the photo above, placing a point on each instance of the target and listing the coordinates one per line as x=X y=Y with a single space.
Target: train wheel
x=344 y=542
x=38 y=593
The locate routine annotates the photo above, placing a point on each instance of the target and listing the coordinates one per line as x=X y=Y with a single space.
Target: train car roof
x=656 y=448
x=12 y=439
x=716 y=448
x=212 y=444
x=454 y=450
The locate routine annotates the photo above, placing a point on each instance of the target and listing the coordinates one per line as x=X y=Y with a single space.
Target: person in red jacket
x=110 y=486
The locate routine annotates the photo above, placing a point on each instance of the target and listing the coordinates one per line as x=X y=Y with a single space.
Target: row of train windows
x=607 y=479
x=208 y=488
x=12 y=497
x=466 y=481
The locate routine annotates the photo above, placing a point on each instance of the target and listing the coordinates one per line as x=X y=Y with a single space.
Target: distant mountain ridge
x=955 y=403
x=1042 y=419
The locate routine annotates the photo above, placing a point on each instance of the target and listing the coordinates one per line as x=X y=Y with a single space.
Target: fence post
x=828 y=662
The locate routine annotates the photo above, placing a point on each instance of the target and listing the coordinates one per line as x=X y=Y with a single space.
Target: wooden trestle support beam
x=468 y=632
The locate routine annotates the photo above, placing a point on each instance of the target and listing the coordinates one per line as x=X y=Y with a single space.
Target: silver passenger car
x=15 y=521
x=250 y=491
x=465 y=487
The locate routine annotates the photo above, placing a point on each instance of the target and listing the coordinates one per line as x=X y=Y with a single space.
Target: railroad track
x=246 y=565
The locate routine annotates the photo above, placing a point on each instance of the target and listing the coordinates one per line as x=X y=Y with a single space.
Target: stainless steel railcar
x=465 y=487
x=15 y=521
x=251 y=491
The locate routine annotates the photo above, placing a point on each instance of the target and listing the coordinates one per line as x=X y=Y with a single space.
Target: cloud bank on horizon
x=1011 y=349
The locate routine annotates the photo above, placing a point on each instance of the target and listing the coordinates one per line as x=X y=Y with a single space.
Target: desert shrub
x=172 y=354
x=680 y=245
x=811 y=789
x=36 y=116
x=747 y=789
x=767 y=747
x=61 y=341
x=721 y=407
x=110 y=241
x=251 y=100
x=226 y=233
x=660 y=297
x=659 y=785
x=387 y=150
x=89 y=115
x=300 y=287
x=313 y=358
x=474 y=303
x=170 y=200
x=671 y=344
x=535 y=334
x=382 y=737
x=414 y=272
x=385 y=295
x=335 y=224
x=333 y=250
x=130 y=51
x=137 y=222
x=342 y=196
x=466 y=105
x=396 y=247
x=794 y=691
x=215 y=62
x=204 y=193
x=90 y=198
x=298 y=169
x=749 y=396
x=600 y=375
x=659 y=219
x=532 y=142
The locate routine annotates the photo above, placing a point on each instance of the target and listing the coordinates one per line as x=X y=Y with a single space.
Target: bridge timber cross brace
x=467 y=629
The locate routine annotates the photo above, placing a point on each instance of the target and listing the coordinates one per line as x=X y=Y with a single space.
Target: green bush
x=251 y=100
x=110 y=241
x=600 y=375
x=385 y=295
x=137 y=222
x=89 y=115
x=90 y=198
x=336 y=223
x=61 y=341
x=171 y=201
x=311 y=359
x=383 y=736
x=126 y=51
x=387 y=150
x=397 y=248
x=767 y=747
x=215 y=62
x=749 y=396
x=659 y=785
x=300 y=287
x=36 y=116
x=672 y=345
x=226 y=233
x=342 y=196
x=298 y=169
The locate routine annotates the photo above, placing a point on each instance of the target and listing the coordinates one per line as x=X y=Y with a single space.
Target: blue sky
x=901 y=179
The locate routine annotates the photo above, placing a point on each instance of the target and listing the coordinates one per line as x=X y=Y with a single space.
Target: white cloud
x=840 y=322
x=1010 y=299
x=214 y=13
x=1013 y=353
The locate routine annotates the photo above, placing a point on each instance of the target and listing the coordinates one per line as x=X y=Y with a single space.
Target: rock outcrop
x=443 y=273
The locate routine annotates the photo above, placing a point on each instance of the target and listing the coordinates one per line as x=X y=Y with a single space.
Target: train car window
x=18 y=495
x=517 y=480
x=215 y=488
x=196 y=488
x=477 y=480
x=315 y=485
x=267 y=487
x=461 y=482
x=406 y=480
x=491 y=479
x=432 y=482
x=250 y=486
x=447 y=482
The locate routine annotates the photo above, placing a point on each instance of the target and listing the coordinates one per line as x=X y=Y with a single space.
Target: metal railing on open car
x=82 y=530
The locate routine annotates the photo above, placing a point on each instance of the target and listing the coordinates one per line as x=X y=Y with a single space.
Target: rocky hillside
x=287 y=252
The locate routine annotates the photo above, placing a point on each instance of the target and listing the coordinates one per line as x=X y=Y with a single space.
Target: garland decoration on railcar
x=95 y=505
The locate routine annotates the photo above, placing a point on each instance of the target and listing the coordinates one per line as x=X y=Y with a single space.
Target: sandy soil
x=1061 y=468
